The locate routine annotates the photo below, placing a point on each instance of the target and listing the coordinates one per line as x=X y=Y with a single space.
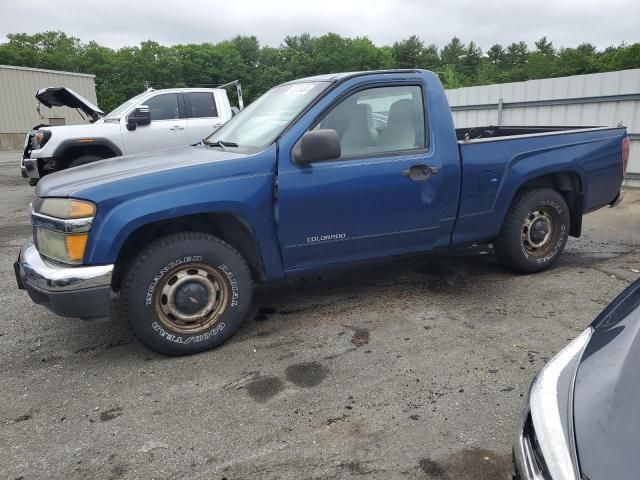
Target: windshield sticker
x=299 y=89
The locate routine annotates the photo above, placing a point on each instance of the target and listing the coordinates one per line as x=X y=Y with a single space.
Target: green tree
x=122 y=73
x=408 y=52
x=576 y=61
x=453 y=52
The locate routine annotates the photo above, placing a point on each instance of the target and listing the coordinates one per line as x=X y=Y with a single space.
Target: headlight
x=66 y=208
x=40 y=138
x=61 y=246
x=61 y=228
x=551 y=402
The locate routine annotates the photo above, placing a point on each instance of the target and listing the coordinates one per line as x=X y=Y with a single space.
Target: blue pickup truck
x=317 y=173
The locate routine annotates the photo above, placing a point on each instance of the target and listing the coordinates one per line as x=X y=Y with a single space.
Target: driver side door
x=168 y=127
x=366 y=203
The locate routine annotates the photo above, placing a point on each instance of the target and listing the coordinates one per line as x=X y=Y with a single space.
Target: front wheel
x=535 y=230
x=186 y=293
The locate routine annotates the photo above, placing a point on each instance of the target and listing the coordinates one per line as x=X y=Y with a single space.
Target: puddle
x=263 y=388
x=469 y=464
x=305 y=375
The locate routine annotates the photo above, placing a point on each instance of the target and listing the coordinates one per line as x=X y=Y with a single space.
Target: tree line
x=124 y=72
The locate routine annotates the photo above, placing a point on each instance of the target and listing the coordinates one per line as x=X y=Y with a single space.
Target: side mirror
x=140 y=116
x=318 y=146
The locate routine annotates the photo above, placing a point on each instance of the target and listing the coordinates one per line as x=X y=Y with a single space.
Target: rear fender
x=592 y=158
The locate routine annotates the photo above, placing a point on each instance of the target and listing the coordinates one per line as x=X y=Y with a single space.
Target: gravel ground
x=413 y=369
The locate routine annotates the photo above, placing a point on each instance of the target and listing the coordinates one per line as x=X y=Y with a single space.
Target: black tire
x=523 y=244
x=201 y=262
x=83 y=160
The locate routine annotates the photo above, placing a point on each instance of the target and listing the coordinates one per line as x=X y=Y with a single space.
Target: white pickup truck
x=153 y=120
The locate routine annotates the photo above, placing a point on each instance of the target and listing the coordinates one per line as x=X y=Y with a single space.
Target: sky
x=117 y=23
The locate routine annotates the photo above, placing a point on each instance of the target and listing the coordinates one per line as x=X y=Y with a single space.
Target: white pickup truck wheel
x=535 y=230
x=186 y=293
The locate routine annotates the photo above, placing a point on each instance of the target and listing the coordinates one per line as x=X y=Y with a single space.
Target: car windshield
x=261 y=122
x=116 y=113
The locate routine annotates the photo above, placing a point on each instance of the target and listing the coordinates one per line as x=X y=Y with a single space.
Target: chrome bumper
x=82 y=291
x=29 y=168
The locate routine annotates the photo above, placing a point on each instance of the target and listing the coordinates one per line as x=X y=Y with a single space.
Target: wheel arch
x=228 y=226
x=69 y=150
x=569 y=184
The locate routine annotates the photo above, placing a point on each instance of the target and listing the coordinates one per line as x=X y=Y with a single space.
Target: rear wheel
x=186 y=293
x=535 y=230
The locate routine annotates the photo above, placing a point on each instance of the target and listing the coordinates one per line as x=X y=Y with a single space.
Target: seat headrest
x=402 y=111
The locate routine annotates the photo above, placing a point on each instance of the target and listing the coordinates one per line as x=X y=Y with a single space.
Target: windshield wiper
x=220 y=143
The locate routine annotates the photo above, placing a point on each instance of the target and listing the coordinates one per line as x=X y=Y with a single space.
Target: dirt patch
x=263 y=388
x=357 y=468
x=22 y=418
x=431 y=468
x=110 y=414
x=307 y=374
x=469 y=464
x=360 y=337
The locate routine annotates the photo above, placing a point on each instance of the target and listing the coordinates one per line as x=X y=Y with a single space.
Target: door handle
x=176 y=127
x=217 y=125
x=419 y=172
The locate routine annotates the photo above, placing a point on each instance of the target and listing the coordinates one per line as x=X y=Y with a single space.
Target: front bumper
x=23 y=169
x=82 y=292
x=29 y=168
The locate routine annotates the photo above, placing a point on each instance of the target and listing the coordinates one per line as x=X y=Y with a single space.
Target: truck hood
x=65 y=97
x=607 y=389
x=162 y=169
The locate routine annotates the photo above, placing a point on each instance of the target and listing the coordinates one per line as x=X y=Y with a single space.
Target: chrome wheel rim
x=191 y=298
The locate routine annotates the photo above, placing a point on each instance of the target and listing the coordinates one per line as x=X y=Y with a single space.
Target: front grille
x=27 y=145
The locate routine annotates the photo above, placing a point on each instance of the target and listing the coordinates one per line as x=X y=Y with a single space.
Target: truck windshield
x=116 y=113
x=260 y=123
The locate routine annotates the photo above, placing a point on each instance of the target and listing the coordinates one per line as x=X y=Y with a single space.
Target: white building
x=18 y=113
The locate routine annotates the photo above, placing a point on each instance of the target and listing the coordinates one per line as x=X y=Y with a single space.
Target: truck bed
x=492 y=131
x=496 y=161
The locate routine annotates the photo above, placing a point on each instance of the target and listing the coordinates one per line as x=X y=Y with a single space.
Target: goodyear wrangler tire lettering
x=234 y=285
x=186 y=293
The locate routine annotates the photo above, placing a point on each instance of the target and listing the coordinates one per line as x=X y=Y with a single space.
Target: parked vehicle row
x=152 y=120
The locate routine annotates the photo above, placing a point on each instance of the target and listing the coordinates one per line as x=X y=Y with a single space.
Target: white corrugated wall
x=18 y=86
x=602 y=99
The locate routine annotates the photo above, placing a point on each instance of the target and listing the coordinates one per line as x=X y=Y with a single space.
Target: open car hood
x=65 y=97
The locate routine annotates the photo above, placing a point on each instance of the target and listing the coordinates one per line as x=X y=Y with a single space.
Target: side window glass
x=201 y=104
x=378 y=120
x=163 y=107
